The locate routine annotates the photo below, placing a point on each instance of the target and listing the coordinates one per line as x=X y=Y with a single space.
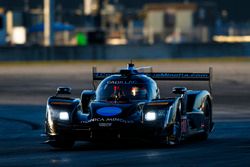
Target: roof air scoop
x=131 y=66
x=130 y=70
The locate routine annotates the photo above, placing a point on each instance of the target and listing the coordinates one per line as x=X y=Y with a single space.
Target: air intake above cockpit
x=130 y=70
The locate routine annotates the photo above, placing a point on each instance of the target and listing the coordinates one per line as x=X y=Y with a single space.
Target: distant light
x=117 y=41
x=1 y=10
x=231 y=39
x=19 y=35
x=224 y=13
x=87 y=7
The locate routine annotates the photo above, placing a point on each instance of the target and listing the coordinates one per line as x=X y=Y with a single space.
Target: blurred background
x=122 y=29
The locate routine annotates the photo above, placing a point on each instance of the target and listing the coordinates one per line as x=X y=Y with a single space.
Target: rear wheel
x=207 y=121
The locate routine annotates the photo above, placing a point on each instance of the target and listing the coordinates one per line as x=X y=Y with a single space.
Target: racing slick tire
x=176 y=135
x=207 y=121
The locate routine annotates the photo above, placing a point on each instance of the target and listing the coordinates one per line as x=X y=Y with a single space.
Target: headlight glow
x=150 y=116
x=64 y=116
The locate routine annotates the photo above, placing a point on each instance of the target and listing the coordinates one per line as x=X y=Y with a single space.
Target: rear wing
x=163 y=76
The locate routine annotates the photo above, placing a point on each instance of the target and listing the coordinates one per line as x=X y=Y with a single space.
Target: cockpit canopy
x=126 y=89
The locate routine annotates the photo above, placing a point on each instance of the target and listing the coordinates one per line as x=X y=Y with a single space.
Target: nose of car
x=112 y=110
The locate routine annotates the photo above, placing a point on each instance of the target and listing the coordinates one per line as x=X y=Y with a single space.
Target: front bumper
x=106 y=131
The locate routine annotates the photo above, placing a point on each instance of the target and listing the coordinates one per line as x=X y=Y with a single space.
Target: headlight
x=55 y=114
x=64 y=116
x=150 y=116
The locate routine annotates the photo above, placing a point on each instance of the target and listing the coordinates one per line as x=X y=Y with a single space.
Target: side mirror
x=86 y=97
x=179 y=90
x=63 y=90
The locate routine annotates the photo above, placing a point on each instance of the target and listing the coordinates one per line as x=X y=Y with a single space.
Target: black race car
x=127 y=105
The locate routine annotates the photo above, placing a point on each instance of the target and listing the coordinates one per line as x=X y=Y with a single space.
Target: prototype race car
x=127 y=105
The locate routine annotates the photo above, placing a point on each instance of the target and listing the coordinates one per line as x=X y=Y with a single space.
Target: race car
x=127 y=105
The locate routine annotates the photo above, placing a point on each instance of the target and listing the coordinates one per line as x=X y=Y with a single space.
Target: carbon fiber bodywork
x=93 y=118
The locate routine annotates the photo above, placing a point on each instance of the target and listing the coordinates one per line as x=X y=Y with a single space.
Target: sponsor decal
x=179 y=75
x=109 y=111
x=203 y=76
x=102 y=75
x=105 y=124
x=121 y=82
x=108 y=120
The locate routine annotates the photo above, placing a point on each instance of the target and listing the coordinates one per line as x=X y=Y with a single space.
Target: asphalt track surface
x=24 y=89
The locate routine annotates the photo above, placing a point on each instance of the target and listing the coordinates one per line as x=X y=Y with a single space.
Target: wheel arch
x=172 y=111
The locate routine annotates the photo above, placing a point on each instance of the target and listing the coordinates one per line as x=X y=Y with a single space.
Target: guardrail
x=105 y=52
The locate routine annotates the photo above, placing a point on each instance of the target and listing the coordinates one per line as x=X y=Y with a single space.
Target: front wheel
x=174 y=138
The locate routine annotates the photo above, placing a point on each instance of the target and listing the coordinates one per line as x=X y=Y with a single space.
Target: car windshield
x=122 y=92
